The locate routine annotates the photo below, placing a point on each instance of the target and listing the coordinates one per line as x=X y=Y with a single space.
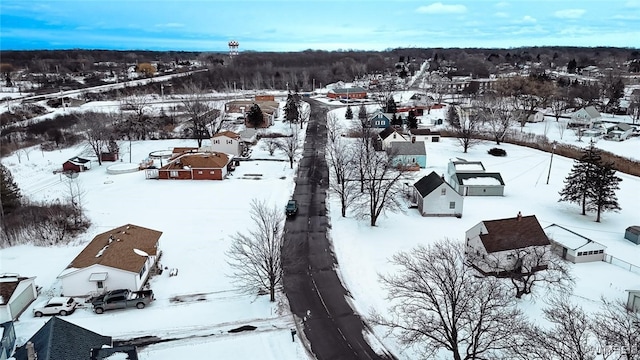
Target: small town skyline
x=287 y=26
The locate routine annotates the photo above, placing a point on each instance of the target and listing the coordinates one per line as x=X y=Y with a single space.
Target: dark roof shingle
x=428 y=183
x=513 y=233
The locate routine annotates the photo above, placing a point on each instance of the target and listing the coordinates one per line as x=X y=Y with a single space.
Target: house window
x=443 y=191
x=229 y=141
x=452 y=205
x=199 y=172
x=216 y=141
x=435 y=139
x=100 y=284
x=600 y=251
x=173 y=173
x=590 y=252
x=212 y=172
x=394 y=136
x=579 y=253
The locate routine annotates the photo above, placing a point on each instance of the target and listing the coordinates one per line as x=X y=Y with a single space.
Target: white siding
x=226 y=145
x=437 y=204
x=77 y=283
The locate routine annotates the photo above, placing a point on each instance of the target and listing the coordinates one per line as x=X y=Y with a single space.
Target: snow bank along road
x=316 y=294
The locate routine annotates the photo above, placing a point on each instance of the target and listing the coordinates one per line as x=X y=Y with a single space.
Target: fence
x=621 y=263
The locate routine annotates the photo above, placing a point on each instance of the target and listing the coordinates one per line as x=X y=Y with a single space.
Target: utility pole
x=553 y=149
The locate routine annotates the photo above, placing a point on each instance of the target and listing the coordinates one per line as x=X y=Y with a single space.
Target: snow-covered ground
x=197 y=219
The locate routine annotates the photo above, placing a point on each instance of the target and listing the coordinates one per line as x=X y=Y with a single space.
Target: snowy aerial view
x=280 y=197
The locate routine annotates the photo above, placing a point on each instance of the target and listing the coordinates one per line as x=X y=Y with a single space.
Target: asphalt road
x=311 y=284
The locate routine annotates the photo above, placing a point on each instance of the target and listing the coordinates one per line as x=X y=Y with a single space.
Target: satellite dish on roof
x=140 y=252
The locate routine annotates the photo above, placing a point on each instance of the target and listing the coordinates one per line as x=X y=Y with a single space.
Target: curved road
x=311 y=283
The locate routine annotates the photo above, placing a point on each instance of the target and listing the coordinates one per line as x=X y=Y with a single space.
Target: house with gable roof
x=584 y=117
x=572 y=246
x=16 y=293
x=411 y=155
x=388 y=136
x=379 y=120
x=435 y=197
x=59 y=339
x=196 y=165
x=121 y=258
x=76 y=164
x=227 y=142
x=347 y=93
x=618 y=132
x=469 y=178
x=517 y=244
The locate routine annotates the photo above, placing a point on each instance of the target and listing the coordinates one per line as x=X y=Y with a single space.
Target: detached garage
x=16 y=293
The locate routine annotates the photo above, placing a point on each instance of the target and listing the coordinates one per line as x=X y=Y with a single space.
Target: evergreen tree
x=9 y=191
x=396 y=121
x=453 y=118
x=349 y=114
x=291 y=108
x=412 y=120
x=391 y=106
x=602 y=194
x=255 y=117
x=571 y=66
x=362 y=113
x=579 y=180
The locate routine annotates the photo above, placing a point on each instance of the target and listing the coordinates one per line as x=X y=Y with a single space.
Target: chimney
x=31 y=352
x=519 y=216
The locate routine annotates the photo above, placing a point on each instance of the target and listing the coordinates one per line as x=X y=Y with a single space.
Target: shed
x=408 y=154
x=574 y=247
x=16 y=293
x=633 y=234
x=478 y=184
x=76 y=164
x=435 y=197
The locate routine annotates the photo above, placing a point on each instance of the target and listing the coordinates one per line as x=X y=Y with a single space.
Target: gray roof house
x=412 y=154
x=61 y=340
x=435 y=197
x=618 y=132
x=572 y=246
x=469 y=178
x=584 y=117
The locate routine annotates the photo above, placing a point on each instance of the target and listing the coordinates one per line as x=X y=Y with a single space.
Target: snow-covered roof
x=571 y=240
x=481 y=181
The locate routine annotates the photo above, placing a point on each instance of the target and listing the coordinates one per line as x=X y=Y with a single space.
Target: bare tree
x=271 y=144
x=341 y=161
x=619 y=328
x=96 y=132
x=497 y=113
x=561 y=126
x=75 y=198
x=255 y=257
x=137 y=122
x=380 y=181
x=468 y=131
x=439 y=304
x=200 y=113
x=529 y=267
x=290 y=144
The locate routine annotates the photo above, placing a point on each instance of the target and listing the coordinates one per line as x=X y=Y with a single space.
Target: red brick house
x=196 y=166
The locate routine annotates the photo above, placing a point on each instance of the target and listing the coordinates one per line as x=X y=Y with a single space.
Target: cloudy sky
x=296 y=25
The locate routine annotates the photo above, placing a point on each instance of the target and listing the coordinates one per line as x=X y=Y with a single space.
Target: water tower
x=233 y=48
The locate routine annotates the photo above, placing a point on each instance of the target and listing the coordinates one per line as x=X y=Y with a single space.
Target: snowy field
x=197 y=219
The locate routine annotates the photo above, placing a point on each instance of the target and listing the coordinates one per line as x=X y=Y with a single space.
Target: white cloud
x=440 y=8
x=569 y=13
x=527 y=19
x=632 y=3
x=502 y=4
x=501 y=14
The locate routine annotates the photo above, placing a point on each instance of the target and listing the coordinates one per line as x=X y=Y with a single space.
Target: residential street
x=311 y=283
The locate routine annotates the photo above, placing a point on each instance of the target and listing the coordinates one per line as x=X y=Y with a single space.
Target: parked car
x=63 y=306
x=122 y=299
x=292 y=208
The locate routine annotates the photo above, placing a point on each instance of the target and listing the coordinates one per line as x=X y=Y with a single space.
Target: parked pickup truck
x=121 y=299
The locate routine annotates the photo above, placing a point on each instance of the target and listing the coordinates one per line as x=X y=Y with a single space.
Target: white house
x=227 y=142
x=435 y=197
x=16 y=293
x=574 y=247
x=512 y=244
x=584 y=117
x=390 y=135
x=117 y=259
x=469 y=178
x=618 y=132
x=535 y=117
x=425 y=135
